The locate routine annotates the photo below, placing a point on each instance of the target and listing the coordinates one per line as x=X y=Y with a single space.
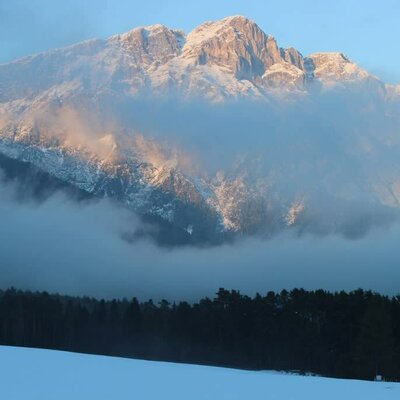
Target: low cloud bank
x=74 y=248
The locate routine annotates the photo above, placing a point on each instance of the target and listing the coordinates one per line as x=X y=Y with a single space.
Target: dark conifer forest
x=349 y=335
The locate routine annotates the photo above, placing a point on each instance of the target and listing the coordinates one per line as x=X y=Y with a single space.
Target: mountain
x=229 y=58
x=58 y=113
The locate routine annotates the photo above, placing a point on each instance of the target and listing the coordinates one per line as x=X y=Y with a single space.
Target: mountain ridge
x=160 y=56
x=54 y=108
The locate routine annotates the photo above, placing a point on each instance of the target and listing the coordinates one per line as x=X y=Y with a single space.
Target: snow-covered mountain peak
x=210 y=29
x=330 y=56
x=335 y=66
x=228 y=58
x=149 y=44
x=148 y=31
x=235 y=43
x=232 y=19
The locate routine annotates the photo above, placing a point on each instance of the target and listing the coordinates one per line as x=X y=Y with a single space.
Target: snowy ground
x=32 y=374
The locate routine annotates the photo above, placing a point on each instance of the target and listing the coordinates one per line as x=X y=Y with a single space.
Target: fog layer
x=61 y=246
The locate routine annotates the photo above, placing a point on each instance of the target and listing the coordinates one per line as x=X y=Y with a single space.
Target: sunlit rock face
x=235 y=43
x=54 y=114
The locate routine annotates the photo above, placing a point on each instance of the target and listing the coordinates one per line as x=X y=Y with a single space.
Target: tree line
x=341 y=334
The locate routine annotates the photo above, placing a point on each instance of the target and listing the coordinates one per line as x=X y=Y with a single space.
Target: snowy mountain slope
x=336 y=67
x=143 y=180
x=45 y=374
x=57 y=113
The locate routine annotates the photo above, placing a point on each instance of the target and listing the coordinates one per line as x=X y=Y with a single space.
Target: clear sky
x=368 y=31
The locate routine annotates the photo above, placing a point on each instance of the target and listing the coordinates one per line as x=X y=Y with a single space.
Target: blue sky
x=367 y=31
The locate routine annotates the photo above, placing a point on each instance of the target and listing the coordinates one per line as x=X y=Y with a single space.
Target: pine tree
x=375 y=346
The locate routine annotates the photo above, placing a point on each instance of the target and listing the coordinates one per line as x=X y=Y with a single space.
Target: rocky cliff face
x=218 y=61
x=149 y=45
x=336 y=70
x=236 y=44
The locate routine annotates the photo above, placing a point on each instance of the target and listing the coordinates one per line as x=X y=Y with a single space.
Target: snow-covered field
x=32 y=374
